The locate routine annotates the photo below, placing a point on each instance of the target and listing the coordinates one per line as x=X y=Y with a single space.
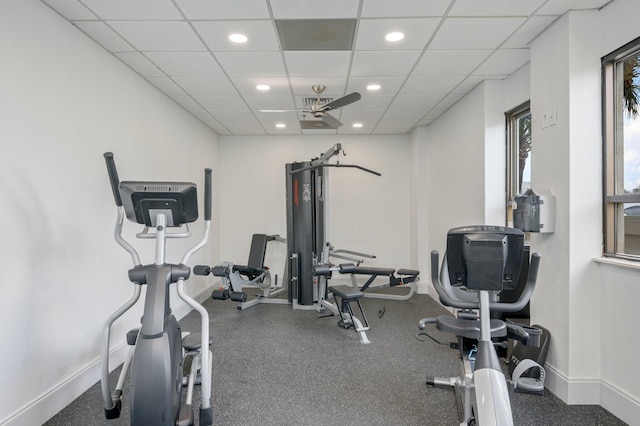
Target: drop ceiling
x=450 y=46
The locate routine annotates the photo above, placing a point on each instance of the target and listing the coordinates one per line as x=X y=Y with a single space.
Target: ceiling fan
x=320 y=110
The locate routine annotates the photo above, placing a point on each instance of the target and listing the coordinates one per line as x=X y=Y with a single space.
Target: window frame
x=613 y=198
x=513 y=154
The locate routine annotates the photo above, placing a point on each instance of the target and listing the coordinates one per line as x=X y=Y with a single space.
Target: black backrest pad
x=257 y=251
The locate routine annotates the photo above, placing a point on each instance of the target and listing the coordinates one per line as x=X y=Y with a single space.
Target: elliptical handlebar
x=113 y=177
x=207 y=194
x=449 y=299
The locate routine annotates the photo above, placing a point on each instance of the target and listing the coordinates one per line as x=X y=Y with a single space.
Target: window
x=518 y=153
x=621 y=138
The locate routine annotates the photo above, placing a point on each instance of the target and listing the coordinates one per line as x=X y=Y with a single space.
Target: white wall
x=588 y=307
x=367 y=213
x=578 y=298
x=464 y=152
x=63 y=102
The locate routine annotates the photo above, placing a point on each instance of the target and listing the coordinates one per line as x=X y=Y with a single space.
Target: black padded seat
x=346 y=292
x=407 y=272
x=469 y=328
x=368 y=270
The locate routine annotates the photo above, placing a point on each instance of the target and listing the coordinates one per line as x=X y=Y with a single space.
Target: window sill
x=618 y=262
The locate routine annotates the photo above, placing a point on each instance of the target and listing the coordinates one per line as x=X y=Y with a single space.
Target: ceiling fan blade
x=340 y=102
x=331 y=121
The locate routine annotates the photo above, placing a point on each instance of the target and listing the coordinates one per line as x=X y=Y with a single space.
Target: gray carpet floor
x=273 y=365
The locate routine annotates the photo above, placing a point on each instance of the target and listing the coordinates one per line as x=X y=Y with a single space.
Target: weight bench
x=396 y=278
x=347 y=295
x=343 y=295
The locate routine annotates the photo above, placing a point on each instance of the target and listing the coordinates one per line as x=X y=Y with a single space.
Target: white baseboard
x=592 y=392
x=53 y=401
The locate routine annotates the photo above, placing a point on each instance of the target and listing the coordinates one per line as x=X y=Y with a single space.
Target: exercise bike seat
x=469 y=328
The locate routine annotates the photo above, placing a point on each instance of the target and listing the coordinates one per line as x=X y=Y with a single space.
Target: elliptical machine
x=157 y=349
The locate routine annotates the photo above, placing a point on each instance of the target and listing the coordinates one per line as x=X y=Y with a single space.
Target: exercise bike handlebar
x=449 y=299
x=113 y=177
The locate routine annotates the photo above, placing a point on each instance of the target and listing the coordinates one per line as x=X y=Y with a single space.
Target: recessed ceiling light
x=357 y=125
x=395 y=36
x=263 y=87
x=238 y=38
x=373 y=87
x=281 y=125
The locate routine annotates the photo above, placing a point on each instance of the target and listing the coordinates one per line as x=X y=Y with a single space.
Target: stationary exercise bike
x=157 y=348
x=480 y=261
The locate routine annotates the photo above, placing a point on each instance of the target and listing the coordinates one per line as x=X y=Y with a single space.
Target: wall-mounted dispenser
x=534 y=213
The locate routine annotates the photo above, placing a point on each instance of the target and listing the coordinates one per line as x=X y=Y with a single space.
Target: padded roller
x=347 y=268
x=239 y=296
x=220 y=294
x=201 y=270
x=322 y=270
x=220 y=271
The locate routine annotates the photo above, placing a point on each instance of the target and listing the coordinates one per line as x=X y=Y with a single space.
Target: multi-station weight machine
x=309 y=250
x=309 y=255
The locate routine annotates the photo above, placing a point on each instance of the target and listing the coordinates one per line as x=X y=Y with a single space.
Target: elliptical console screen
x=143 y=201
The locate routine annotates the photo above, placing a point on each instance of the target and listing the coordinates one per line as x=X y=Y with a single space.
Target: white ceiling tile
x=134 y=9
x=469 y=83
x=559 y=7
x=302 y=85
x=331 y=63
x=252 y=64
x=269 y=101
x=188 y=103
x=186 y=64
x=224 y=9
x=159 y=36
x=246 y=86
x=419 y=103
x=71 y=9
x=217 y=103
x=290 y=120
x=370 y=116
x=388 y=85
x=383 y=64
x=140 y=64
x=395 y=124
x=504 y=61
x=261 y=35
x=373 y=102
x=474 y=33
x=167 y=85
x=430 y=84
x=206 y=86
x=450 y=100
x=527 y=32
x=450 y=62
x=207 y=118
x=295 y=9
x=226 y=116
x=495 y=7
x=181 y=47
x=104 y=36
x=417 y=32
x=404 y=8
